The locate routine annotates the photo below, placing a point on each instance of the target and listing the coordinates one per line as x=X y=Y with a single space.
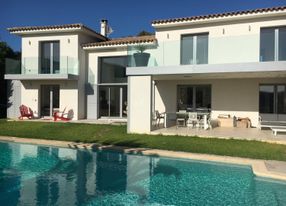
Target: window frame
x=276 y=42
x=51 y=56
x=195 y=37
x=194 y=94
x=100 y=63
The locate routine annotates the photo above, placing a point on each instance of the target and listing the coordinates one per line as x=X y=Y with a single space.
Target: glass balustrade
x=37 y=66
x=203 y=49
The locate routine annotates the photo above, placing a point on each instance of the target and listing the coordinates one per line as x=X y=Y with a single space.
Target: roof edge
x=119 y=42
x=53 y=28
x=173 y=21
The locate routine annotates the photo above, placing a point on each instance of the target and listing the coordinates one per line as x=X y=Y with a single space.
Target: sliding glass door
x=112 y=96
x=112 y=101
x=194 y=97
x=50 y=57
x=272 y=102
x=50 y=99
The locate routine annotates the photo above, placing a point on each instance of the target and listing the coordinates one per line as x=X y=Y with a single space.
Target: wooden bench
x=276 y=129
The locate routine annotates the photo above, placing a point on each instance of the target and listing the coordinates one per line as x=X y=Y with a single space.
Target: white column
x=139 y=104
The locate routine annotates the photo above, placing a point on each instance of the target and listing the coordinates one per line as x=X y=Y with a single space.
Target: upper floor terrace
x=51 y=52
x=29 y=68
x=249 y=41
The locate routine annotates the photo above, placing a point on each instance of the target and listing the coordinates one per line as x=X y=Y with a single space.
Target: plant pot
x=141 y=59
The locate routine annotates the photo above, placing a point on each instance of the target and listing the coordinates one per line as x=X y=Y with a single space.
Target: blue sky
x=126 y=17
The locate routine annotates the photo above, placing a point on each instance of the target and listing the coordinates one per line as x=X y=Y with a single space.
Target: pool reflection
x=58 y=176
x=38 y=175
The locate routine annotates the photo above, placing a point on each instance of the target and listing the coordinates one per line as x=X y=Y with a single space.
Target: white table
x=204 y=115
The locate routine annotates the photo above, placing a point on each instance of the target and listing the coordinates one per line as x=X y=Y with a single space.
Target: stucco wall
x=139 y=104
x=73 y=60
x=83 y=76
x=30 y=95
x=68 y=52
x=239 y=97
x=93 y=77
x=13 y=98
x=229 y=42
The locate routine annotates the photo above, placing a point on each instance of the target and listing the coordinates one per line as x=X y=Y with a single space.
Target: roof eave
x=58 y=30
x=43 y=31
x=96 y=47
x=218 y=19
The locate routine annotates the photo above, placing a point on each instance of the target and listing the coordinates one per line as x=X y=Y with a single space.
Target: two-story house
x=52 y=73
x=231 y=63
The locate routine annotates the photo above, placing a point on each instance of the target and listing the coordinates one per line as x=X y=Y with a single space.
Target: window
x=272 y=99
x=282 y=44
x=50 y=57
x=194 y=49
x=273 y=44
x=194 y=97
x=113 y=69
x=112 y=97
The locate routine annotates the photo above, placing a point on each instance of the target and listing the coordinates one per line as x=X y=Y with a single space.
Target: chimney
x=103 y=27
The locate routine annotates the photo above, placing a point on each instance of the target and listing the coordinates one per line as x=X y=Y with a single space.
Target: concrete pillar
x=139 y=104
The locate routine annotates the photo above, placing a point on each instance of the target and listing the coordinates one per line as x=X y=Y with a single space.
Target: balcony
x=30 y=68
x=223 y=54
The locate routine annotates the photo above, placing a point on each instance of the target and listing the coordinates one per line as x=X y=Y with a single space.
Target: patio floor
x=226 y=133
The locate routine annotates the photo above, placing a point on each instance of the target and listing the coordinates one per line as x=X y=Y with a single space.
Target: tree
x=5 y=52
x=144 y=33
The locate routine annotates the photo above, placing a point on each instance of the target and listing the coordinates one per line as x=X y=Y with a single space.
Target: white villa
x=230 y=63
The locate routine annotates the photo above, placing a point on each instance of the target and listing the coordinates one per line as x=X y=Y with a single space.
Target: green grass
x=116 y=135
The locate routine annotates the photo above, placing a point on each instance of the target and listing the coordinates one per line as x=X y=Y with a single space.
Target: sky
x=126 y=17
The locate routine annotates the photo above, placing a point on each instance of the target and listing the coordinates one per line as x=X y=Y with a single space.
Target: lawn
x=116 y=135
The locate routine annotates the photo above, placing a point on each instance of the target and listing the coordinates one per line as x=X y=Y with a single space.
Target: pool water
x=38 y=175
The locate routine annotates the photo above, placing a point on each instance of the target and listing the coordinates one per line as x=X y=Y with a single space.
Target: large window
x=194 y=97
x=113 y=69
x=50 y=57
x=272 y=100
x=194 y=49
x=112 y=94
x=273 y=44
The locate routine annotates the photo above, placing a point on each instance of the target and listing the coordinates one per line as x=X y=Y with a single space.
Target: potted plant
x=141 y=57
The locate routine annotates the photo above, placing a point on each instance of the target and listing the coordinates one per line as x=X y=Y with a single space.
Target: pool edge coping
x=258 y=166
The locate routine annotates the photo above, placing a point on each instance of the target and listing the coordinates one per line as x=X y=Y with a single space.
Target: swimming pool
x=39 y=175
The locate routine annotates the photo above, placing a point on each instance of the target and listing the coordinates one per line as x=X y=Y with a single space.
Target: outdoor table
x=203 y=115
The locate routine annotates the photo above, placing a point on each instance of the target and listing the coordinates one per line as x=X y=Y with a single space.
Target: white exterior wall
x=69 y=90
x=83 y=76
x=68 y=48
x=229 y=42
x=93 y=77
x=139 y=104
x=237 y=97
x=30 y=95
x=72 y=56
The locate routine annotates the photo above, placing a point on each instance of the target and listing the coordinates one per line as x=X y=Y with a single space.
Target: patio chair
x=181 y=118
x=26 y=112
x=158 y=116
x=61 y=116
x=192 y=119
x=209 y=121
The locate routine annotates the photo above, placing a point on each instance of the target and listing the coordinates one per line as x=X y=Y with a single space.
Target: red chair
x=26 y=112
x=61 y=116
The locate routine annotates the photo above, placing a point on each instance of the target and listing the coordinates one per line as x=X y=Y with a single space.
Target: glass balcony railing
x=214 y=50
x=36 y=66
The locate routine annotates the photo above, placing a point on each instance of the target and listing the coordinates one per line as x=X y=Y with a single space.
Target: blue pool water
x=38 y=175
